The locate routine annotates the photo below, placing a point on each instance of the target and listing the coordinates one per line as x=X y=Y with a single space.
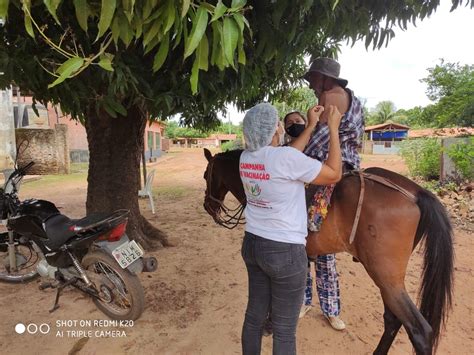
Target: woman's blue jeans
x=277 y=275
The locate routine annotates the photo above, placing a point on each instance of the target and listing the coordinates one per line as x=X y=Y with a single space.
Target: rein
x=230 y=217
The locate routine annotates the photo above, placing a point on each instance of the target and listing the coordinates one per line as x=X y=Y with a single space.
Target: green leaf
x=216 y=36
x=194 y=76
x=162 y=53
x=185 y=8
x=106 y=61
x=242 y=59
x=199 y=27
x=106 y=15
x=230 y=33
x=4 y=8
x=152 y=32
x=116 y=106
x=52 y=6
x=67 y=69
x=237 y=4
x=126 y=32
x=128 y=7
x=170 y=14
x=202 y=53
x=115 y=29
x=207 y=6
x=82 y=13
x=335 y=4
x=28 y=23
x=219 y=11
x=109 y=109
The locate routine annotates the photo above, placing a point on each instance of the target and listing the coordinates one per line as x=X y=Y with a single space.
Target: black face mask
x=295 y=129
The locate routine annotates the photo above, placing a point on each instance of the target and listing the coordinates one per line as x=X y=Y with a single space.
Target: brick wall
x=48 y=148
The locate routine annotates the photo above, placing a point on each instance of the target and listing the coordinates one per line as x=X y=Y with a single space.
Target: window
x=388 y=144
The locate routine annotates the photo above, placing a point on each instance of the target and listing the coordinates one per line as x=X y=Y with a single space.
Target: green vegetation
x=232 y=145
x=462 y=155
x=423 y=157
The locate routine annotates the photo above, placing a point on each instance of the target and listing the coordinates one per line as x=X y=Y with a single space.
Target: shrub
x=462 y=154
x=422 y=157
x=232 y=145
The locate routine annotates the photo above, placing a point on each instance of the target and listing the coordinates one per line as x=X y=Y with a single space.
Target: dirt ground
x=195 y=301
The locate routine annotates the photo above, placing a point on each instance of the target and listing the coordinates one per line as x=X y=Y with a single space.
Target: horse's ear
x=207 y=154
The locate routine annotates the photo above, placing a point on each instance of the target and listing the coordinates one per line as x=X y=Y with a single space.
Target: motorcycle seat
x=59 y=227
x=58 y=230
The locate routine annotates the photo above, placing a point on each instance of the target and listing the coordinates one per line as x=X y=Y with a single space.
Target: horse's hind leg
x=391 y=327
x=418 y=329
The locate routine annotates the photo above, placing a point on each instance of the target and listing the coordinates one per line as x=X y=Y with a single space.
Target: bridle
x=224 y=216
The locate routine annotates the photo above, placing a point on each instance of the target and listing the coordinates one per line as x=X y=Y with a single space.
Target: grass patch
x=171 y=192
x=51 y=180
x=79 y=168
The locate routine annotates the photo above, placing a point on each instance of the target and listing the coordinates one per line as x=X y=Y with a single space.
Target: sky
x=393 y=73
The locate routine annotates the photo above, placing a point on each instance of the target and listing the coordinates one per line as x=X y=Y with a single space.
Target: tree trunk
x=115 y=149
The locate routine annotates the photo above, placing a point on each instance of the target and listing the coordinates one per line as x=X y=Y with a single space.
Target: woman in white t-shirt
x=275 y=234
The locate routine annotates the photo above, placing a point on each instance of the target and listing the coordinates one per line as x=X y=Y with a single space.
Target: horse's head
x=222 y=176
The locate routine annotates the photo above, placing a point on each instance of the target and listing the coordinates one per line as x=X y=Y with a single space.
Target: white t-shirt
x=273 y=179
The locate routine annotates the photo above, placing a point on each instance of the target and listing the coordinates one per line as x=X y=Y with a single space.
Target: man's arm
x=331 y=170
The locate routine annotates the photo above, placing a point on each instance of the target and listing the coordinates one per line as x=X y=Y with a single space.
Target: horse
x=389 y=228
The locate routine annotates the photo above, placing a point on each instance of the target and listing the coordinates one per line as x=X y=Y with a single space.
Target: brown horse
x=390 y=227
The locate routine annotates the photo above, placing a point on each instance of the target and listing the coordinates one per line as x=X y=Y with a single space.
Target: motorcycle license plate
x=127 y=253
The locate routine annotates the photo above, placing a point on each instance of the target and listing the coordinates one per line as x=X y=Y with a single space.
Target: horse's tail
x=436 y=289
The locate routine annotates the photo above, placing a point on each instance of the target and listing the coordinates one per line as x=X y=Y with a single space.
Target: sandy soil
x=195 y=301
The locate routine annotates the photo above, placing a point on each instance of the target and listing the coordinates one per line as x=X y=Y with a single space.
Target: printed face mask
x=295 y=129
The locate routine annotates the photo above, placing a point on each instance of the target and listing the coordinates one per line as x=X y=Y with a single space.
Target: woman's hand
x=334 y=118
x=313 y=115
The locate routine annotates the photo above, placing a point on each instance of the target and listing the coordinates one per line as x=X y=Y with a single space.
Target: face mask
x=295 y=129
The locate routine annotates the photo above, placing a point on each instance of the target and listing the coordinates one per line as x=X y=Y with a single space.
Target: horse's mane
x=229 y=155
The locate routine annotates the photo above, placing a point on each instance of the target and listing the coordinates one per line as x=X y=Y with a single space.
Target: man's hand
x=313 y=115
x=334 y=118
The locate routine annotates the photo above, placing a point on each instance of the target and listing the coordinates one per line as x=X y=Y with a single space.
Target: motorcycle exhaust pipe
x=150 y=264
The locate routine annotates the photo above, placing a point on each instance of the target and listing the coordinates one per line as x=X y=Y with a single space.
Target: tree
x=451 y=86
x=384 y=111
x=173 y=130
x=112 y=64
x=412 y=117
x=298 y=99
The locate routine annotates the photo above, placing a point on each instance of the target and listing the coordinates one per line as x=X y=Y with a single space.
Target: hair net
x=260 y=124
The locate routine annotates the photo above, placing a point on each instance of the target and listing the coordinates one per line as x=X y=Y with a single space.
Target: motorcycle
x=92 y=254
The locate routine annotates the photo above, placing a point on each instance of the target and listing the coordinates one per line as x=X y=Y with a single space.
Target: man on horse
x=330 y=89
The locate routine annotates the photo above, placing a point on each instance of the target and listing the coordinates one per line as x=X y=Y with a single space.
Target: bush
x=423 y=157
x=462 y=154
x=232 y=145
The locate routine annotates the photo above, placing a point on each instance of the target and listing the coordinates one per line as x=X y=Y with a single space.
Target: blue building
x=383 y=138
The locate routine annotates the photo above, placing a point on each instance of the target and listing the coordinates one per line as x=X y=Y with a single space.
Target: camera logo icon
x=32 y=328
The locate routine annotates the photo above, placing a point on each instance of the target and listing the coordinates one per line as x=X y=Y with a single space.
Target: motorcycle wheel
x=26 y=259
x=123 y=295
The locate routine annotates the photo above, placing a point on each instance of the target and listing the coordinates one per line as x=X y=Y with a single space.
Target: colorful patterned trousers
x=327 y=285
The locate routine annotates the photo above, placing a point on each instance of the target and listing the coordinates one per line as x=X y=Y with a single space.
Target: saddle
x=322 y=197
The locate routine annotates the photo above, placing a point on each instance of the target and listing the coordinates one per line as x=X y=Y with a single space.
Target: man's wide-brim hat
x=328 y=67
